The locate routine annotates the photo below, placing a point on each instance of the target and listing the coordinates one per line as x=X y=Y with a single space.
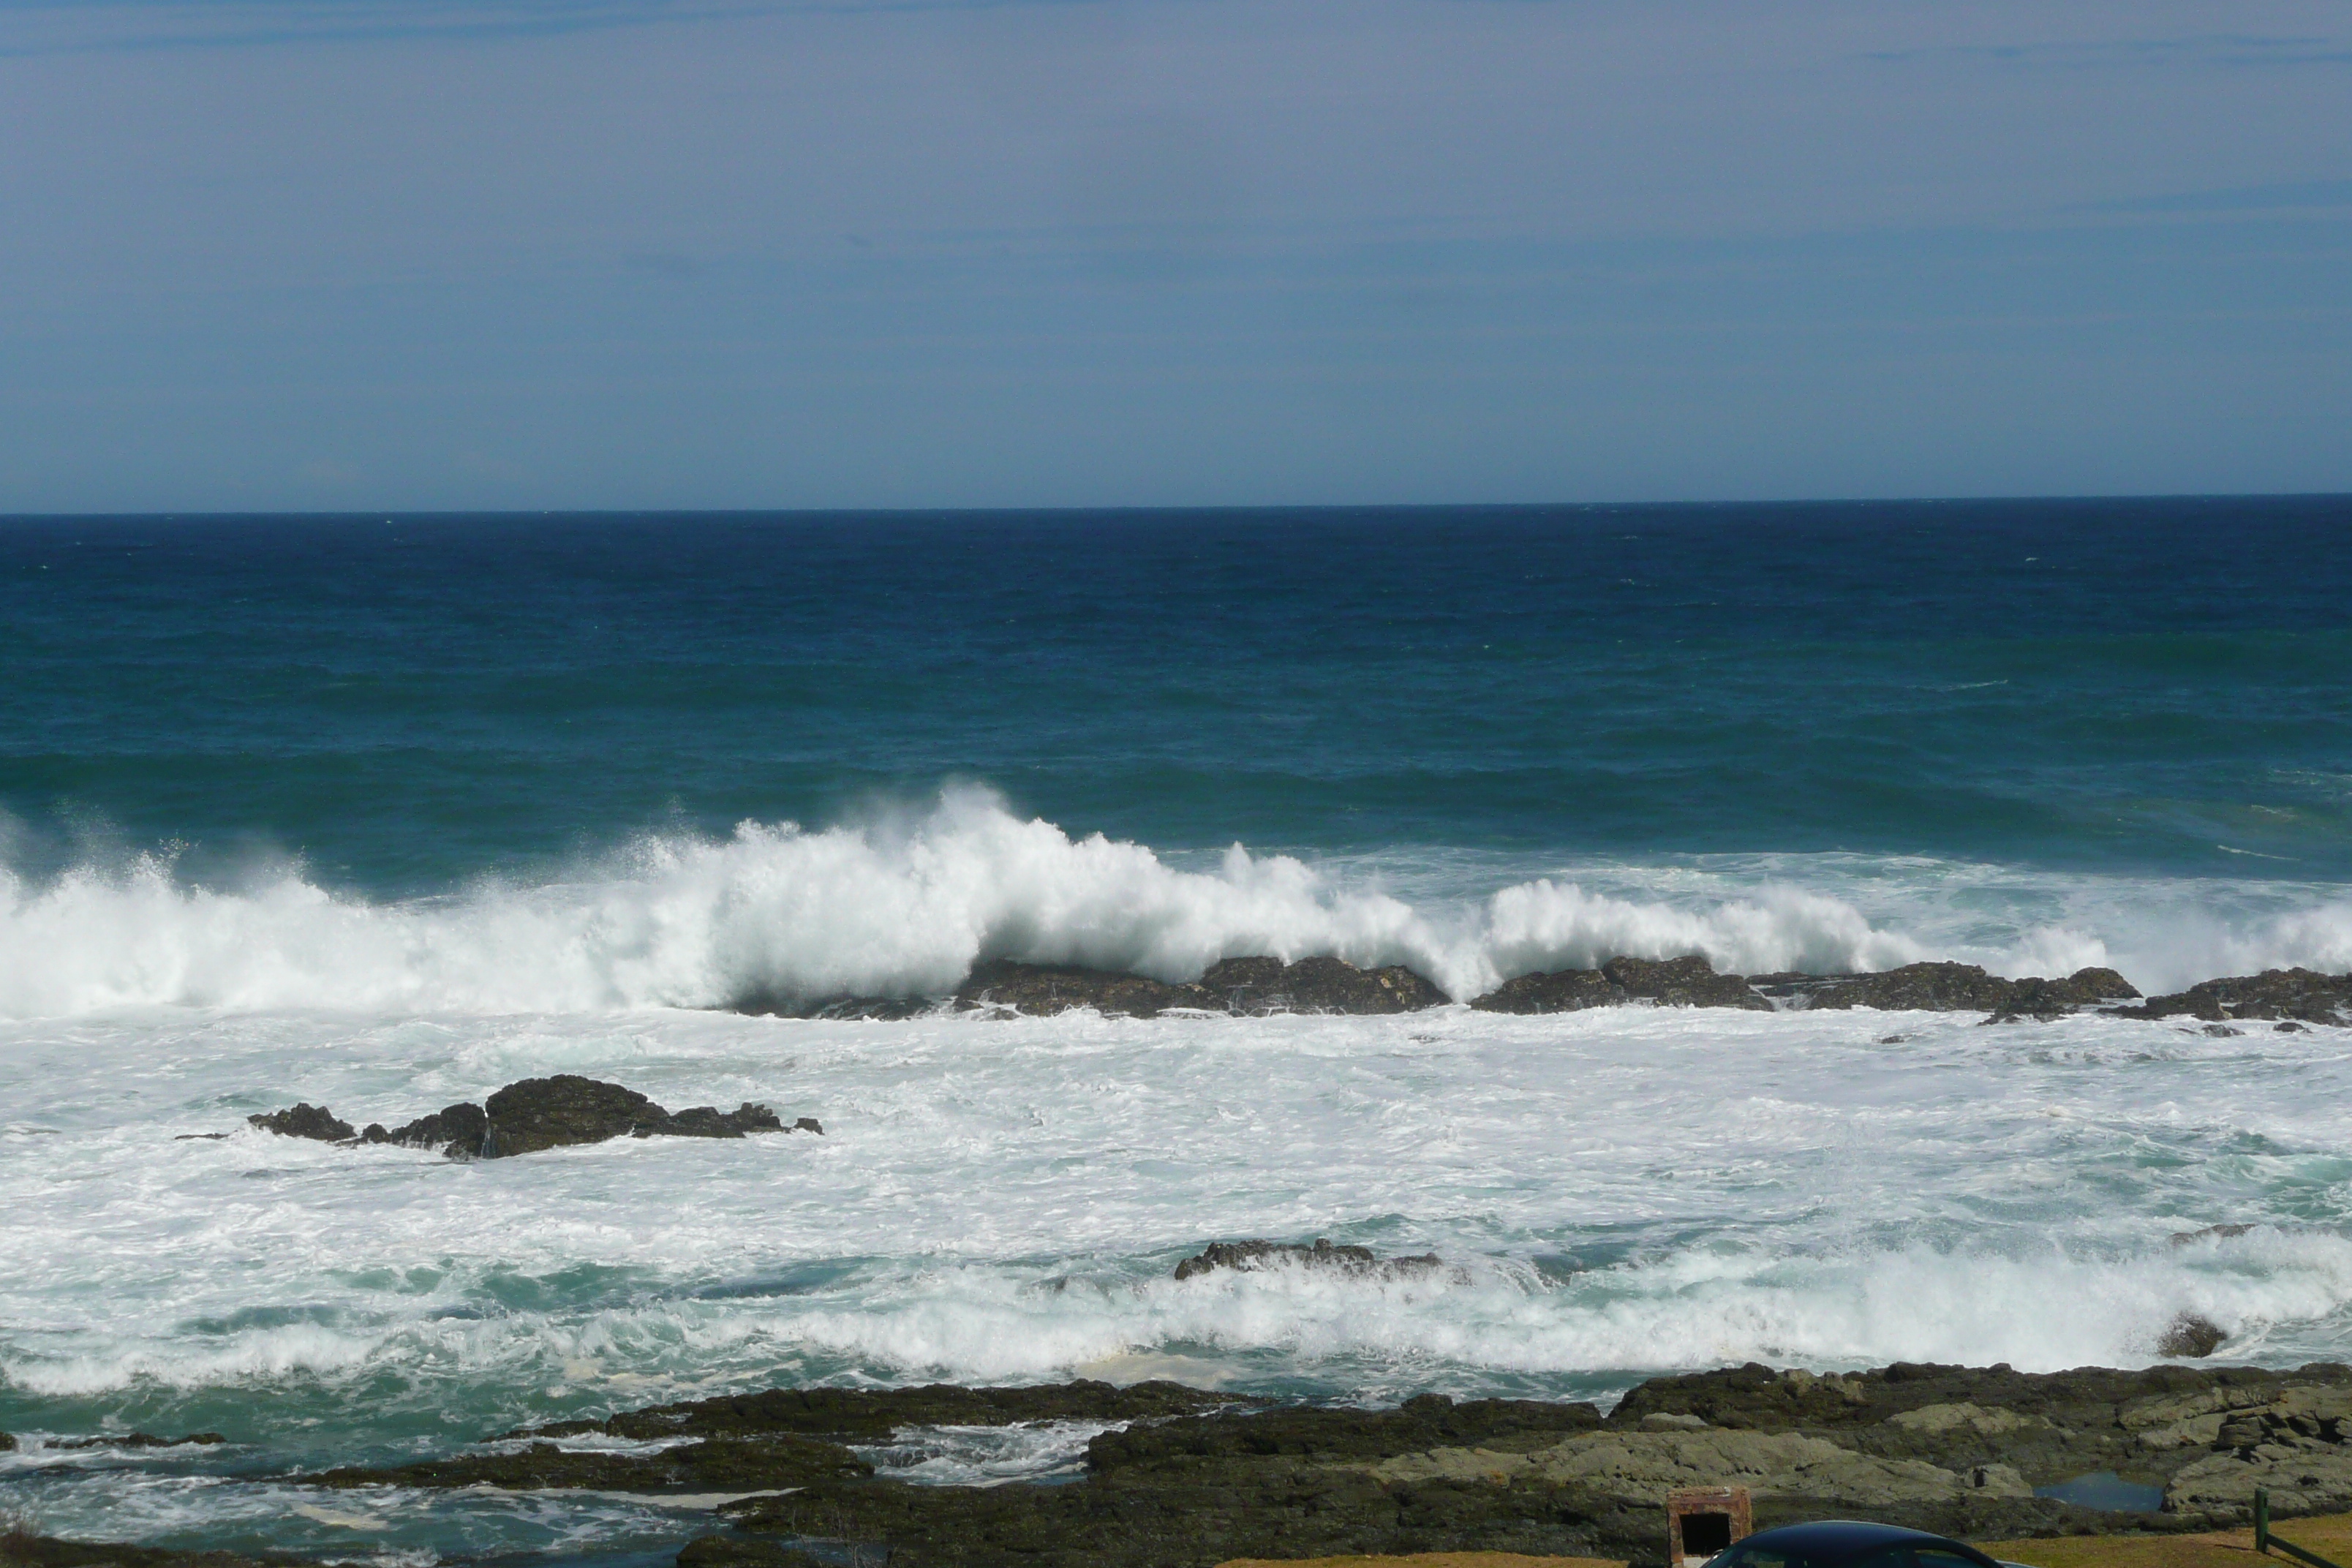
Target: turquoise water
x=385 y=813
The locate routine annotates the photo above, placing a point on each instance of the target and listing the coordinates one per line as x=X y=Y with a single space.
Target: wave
x=2282 y=1297
x=906 y=904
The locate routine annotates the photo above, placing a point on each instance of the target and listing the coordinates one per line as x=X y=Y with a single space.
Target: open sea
x=385 y=812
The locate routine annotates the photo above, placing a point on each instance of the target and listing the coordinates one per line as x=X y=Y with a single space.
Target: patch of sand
x=2329 y=1536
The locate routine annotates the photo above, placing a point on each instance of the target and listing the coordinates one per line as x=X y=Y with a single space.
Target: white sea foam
x=905 y=906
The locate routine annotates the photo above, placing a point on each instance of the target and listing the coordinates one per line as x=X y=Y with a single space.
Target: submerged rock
x=1246 y=1256
x=541 y=1114
x=305 y=1120
x=2300 y=995
x=139 y=1441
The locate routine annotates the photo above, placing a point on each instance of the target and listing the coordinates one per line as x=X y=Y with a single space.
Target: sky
x=517 y=254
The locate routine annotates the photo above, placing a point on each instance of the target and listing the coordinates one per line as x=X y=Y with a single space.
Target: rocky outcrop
x=540 y=1114
x=1043 y=989
x=1187 y=1478
x=22 y=1549
x=1668 y=983
x=304 y=1120
x=2300 y=995
x=1247 y=1256
x=1253 y=987
x=1961 y=987
x=1257 y=987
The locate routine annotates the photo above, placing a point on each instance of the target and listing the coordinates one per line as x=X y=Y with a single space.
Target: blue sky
x=380 y=254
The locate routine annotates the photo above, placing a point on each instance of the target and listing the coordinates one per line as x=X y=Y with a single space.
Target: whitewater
x=904 y=902
x=384 y=815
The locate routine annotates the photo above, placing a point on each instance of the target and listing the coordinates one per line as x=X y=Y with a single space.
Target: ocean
x=384 y=812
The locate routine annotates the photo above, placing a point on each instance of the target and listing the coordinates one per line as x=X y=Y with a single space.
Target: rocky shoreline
x=1184 y=1477
x=1257 y=987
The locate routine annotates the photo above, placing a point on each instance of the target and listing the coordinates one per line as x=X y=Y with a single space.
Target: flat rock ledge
x=535 y=1114
x=1184 y=1477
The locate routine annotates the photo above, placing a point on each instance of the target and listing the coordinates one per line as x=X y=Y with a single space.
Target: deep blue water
x=2149 y=685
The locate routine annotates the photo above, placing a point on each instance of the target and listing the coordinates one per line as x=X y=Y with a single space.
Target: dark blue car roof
x=1830 y=1542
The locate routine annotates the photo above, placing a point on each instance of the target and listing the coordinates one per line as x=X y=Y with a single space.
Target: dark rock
x=216 y=1137
x=2302 y=995
x=2183 y=1237
x=2192 y=1336
x=1249 y=1255
x=1562 y=991
x=563 y=1111
x=1259 y=986
x=305 y=1120
x=709 y=1121
x=888 y=1009
x=1681 y=982
x=7 y=1443
x=1251 y=986
x=2222 y=1031
x=872 y=1415
x=2289 y=1027
x=1670 y=982
x=760 y=1463
x=1043 y=988
x=455 y=1130
x=140 y=1440
x=22 y=1549
x=809 y=1124
x=1967 y=988
x=556 y=1113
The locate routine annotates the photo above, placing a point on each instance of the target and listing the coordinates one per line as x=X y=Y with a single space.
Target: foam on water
x=905 y=905
x=1612 y=1193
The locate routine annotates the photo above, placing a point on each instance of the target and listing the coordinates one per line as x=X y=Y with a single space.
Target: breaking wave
x=905 y=905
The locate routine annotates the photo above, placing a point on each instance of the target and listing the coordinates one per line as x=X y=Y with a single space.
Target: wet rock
x=7 y=1443
x=455 y=1130
x=2183 y=1237
x=2300 y=995
x=1669 y=983
x=305 y=1120
x=139 y=1441
x=1562 y=991
x=1260 y=986
x=1967 y=988
x=1246 y=1256
x=1044 y=989
x=22 y=1549
x=2222 y=1031
x=809 y=1124
x=1681 y=982
x=766 y=1462
x=543 y=1113
x=885 y=1009
x=872 y=1415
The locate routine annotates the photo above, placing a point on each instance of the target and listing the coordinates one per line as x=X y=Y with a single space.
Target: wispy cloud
x=2200 y=50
